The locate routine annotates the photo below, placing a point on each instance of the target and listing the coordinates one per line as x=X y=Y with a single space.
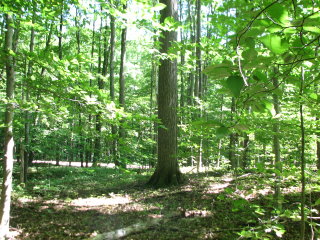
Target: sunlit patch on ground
x=254 y=193
x=100 y=201
x=209 y=205
x=217 y=187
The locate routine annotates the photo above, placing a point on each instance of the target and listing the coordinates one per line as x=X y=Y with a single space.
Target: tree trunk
x=233 y=139
x=182 y=62
x=198 y=87
x=60 y=32
x=48 y=40
x=245 y=155
x=191 y=77
x=97 y=141
x=122 y=83
x=303 y=162
x=276 y=143
x=318 y=149
x=8 y=134
x=27 y=114
x=122 y=61
x=112 y=93
x=153 y=125
x=167 y=170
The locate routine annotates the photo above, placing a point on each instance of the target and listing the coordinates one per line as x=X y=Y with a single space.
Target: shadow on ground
x=206 y=206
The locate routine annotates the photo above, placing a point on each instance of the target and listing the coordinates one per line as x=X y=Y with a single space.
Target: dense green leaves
x=279 y=13
x=275 y=43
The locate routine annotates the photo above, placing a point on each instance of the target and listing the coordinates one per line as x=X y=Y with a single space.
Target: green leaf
x=275 y=43
x=313 y=96
x=259 y=76
x=250 y=54
x=241 y=127
x=222 y=131
x=219 y=71
x=274 y=29
x=239 y=204
x=312 y=29
x=235 y=84
x=289 y=31
x=249 y=42
x=278 y=13
x=317 y=202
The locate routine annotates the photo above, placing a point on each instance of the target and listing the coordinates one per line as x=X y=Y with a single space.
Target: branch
x=247 y=28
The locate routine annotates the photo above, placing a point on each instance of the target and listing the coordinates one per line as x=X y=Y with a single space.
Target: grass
x=79 y=203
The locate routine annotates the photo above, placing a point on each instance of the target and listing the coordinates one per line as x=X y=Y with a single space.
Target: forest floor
x=102 y=203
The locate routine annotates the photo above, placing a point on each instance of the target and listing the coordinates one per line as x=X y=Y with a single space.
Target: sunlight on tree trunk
x=9 y=143
x=167 y=170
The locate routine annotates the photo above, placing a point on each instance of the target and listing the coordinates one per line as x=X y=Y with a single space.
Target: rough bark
x=8 y=141
x=167 y=169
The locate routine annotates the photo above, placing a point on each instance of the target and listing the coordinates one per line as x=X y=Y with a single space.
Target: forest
x=177 y=119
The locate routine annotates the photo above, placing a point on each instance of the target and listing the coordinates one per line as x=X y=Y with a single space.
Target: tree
x=121 y=76
x=167 y=170
x=112 y=92
x=8 y=135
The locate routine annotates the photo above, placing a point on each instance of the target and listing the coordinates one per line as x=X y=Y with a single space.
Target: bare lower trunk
x=303 y=163
x=8 y=143
x=167 y=170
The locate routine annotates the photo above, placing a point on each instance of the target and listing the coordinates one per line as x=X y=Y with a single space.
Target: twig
x=240 y=68
x=246 y=29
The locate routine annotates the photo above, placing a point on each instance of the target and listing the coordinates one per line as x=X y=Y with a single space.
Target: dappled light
x=210 y=204
x=100 y=201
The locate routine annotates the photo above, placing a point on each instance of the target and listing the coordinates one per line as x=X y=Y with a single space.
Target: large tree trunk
x=167 y=169
x=8 y=134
